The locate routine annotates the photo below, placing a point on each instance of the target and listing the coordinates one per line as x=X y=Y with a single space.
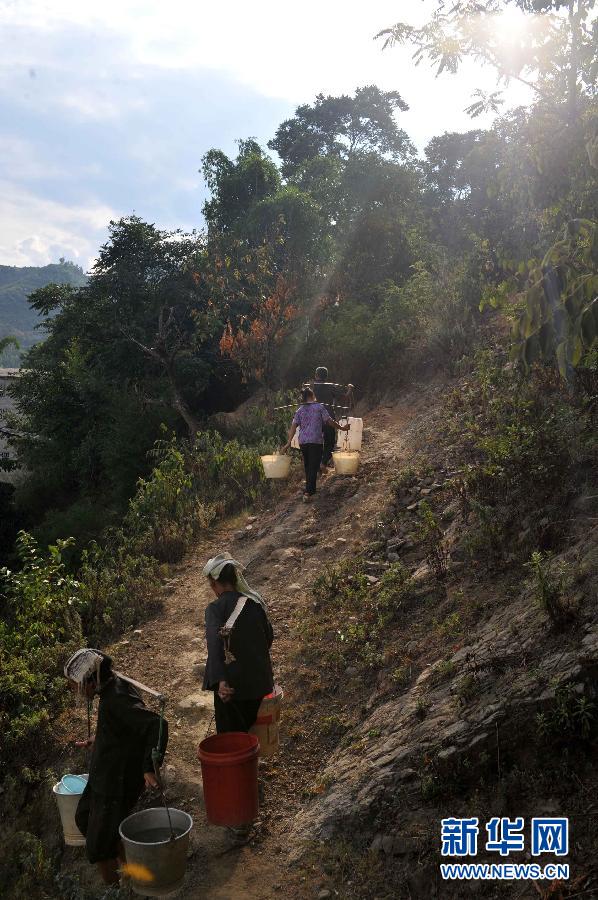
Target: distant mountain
x=16 y=316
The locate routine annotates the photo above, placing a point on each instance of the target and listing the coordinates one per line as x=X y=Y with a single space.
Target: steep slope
x=377 y=746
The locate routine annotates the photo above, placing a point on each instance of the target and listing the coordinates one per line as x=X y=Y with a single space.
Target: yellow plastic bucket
x=267 y=724
x=346 y=462
x=276 y=465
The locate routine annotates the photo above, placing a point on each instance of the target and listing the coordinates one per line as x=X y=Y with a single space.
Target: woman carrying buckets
x=129 y=745
x=239 y=672
x=311 y=418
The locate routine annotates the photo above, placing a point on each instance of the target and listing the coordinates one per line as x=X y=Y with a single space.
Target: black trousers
x=312 y=458
x=236 y=715
x=329 y=442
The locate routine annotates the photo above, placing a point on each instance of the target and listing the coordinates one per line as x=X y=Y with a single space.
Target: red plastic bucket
x=229 y=773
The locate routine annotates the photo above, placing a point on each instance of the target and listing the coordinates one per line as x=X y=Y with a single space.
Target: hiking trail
x=283 y=550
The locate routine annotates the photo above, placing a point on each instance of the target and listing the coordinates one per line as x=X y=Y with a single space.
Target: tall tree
x=343 y=127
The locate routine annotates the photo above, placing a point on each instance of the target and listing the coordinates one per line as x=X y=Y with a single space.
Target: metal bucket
x=67 y=807
x=156 y=864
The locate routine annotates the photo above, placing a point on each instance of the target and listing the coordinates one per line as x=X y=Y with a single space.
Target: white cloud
x=98 y=105
x=37 y=231
x=24 y=162
x=282 y=50
x=73 y=62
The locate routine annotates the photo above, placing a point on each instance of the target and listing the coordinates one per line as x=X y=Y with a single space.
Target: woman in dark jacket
x=239 y=636
x=122 y=761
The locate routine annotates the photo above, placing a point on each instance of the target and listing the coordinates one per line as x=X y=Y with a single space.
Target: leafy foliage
x=360 y=611
x=39 y=625
x=522 y=438
x=342 y=127
x=545 y=50
x=560 y=320
x=552 y=583
x=186 y=491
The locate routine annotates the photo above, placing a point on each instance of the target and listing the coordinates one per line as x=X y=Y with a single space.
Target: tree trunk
x=180 y=404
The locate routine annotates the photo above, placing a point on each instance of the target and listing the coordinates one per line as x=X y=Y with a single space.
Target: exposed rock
x=195 y=706
x=376 y=844
x=505 y=692
x=387 y=844
x=284 y=554
x=395 y=544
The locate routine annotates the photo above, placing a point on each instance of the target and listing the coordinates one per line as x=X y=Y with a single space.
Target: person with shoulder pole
x=311 y=418
x=329 y=393
x=128 y=749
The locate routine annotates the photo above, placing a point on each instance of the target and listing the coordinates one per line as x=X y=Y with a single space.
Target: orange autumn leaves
x=253 y=344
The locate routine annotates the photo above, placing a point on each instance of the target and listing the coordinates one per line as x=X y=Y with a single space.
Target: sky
x=107 y=109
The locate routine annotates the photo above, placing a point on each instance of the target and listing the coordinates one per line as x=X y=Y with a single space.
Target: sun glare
x=511 y=23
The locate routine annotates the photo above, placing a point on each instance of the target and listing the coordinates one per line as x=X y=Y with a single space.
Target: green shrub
x=27 y=870
x=367 y=610
x=552 y=584
x=39 y=626
x=520 y=439
x=431 y=535
x=265 y=427
x=117 y=587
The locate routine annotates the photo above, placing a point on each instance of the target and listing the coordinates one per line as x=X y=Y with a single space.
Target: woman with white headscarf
x=129 y=744
x=239 y=636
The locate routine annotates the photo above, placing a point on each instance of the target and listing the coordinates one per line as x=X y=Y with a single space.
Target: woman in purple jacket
x=310 y=418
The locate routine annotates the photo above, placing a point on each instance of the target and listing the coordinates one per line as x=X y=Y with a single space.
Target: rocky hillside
x=425 y=674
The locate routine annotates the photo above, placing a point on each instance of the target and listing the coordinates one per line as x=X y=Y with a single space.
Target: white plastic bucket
x=351 y=439
x=156 y=864
x=277 y=465
x=67 y=803
x=346 y=462
x=267 y=724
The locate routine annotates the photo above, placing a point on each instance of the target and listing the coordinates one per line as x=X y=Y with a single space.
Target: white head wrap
x=82 y=664
x=214 y=567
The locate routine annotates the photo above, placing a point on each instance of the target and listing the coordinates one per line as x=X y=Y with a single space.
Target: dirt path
x=284 y=550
